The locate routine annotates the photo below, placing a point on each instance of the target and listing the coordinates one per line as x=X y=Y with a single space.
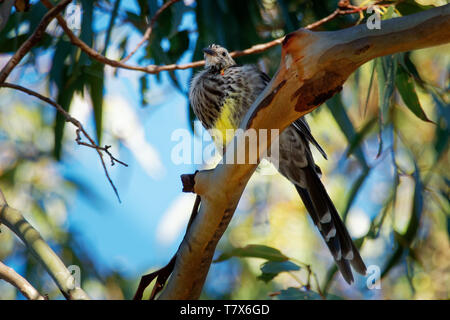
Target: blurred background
x=386 y=136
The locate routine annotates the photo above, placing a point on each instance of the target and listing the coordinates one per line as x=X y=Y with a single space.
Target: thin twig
x=80 y=128
x=32 y=40
x=310 y=273
x=9 y=275
x=152 y=69
x=148 y=32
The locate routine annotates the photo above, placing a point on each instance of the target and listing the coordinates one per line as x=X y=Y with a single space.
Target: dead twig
x=80 y=129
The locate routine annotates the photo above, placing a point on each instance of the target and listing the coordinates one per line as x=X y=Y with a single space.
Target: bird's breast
x=225 y=124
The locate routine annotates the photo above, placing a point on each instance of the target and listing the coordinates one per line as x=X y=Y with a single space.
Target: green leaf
x=37 y=11
x=448 y=225
x=11 y=24
x=342 y=119
x=359 y=137
x=62 y=51
x=417 y=208
x=405 y=86
x=386 y=71
x=136 y=20
x=122 y=46
x=191 y=118
x=277 y=267
x=179 y=43
x=164 y=22
x=291 y=20
x=404 y=240
x=95 y=81
x=393 y=261
x=388 y=14
x=374 y=63
x=271 y=269
x=70 y=82
x=143 y=84
x=354 y=191
x=292 y=293
x=111 y=25
x=9 y=45
x=87 y=33
x=64 y=99
x=254 y=251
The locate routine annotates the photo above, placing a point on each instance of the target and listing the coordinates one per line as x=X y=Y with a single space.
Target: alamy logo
x=75 y=280
x=243 y=147
x=374 y=277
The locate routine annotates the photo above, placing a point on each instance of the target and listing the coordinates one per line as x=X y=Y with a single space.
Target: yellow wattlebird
x=220 y=96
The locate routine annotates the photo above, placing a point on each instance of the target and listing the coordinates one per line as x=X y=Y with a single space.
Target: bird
x=221 y=94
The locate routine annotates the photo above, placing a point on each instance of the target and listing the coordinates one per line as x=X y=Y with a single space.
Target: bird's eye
x=223 y=54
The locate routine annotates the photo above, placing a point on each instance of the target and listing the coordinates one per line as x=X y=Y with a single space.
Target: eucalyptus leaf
x=405 y=86
x=271 y=269
x=292 y=293
x=95 y=84
x=443 y=126
x=253 y=251
x=404 y=240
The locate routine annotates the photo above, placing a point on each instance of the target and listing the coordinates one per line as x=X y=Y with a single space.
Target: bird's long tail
x=331 y=227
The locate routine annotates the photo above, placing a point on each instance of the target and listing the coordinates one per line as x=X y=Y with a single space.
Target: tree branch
x=80 y=129
x=32 y=40
x=9 y=275
x=148 y=32
x=343 y=9
x=314 y=66
x=14 y=220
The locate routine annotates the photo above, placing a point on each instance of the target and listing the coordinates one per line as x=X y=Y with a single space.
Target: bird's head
x=217 y=57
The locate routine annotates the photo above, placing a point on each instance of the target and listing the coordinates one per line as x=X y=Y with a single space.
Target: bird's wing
x=303 y=128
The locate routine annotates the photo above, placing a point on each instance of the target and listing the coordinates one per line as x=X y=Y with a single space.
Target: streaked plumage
x=221 y=94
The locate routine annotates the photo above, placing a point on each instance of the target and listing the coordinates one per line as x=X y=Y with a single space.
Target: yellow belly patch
x=225 y=122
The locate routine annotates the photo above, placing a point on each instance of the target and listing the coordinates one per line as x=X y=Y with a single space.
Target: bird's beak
x=209 y=51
